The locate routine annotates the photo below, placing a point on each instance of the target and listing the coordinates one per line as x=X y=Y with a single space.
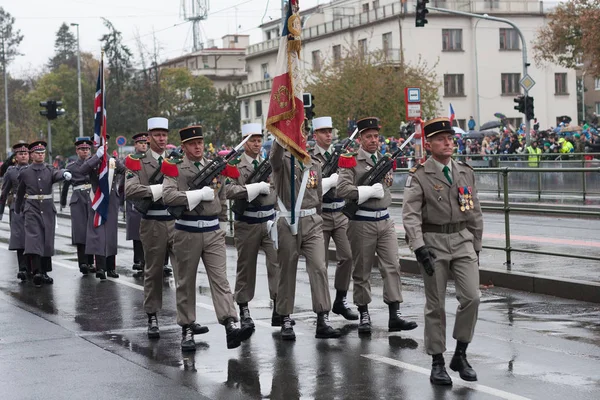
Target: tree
x=361 y=86
x=65 y=49
x=571 y=36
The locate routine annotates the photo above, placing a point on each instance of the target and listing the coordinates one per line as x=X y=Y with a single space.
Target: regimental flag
x=102 y=195
x=451 y=114
x=286 y=108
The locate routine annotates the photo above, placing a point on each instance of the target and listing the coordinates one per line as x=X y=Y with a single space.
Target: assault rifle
x=377 y=173
x=260 y=174
x=331 y=165
x=208 y=173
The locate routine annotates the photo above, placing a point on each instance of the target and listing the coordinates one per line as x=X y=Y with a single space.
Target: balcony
x=252 y=88
x=223 y=73
x=396 y=9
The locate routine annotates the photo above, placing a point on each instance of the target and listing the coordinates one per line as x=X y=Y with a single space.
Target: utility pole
x=5 y=97
x=79 y=82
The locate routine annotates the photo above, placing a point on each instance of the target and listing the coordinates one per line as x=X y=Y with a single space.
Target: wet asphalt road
x=82 y=338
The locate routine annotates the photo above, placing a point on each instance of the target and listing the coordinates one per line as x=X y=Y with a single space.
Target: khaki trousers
x=157 y=241
x=367 y=239
x=335 y=226
x=189 y=248
x=309 y=243
x=249 y=238
x=456 y=256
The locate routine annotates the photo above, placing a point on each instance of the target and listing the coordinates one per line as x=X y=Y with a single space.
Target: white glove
x=194 y=197
x=370 y=192
x=254 y=189
x=100 y=152
x=67 y=175
x=329 y=183
x=156 y=191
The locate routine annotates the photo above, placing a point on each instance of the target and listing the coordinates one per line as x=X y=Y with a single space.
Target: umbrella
x=474 y=135
x=500 y=115
x=570 y=129
x=223 y=152
x=458 y=129
x=490 y=125
x=565 y=119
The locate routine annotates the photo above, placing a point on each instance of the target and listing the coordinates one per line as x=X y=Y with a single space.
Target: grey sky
x=39 y=20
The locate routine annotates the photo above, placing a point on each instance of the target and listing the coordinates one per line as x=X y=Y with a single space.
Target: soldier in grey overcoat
x=80 y=203
x=35 y=200
x=10 y=184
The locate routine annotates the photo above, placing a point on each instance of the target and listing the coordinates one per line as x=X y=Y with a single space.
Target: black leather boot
x=245 y=318
x=198 y=329
x=460 y=364
x=187 y=338
x=153 y=331
x=111 y=267
x=101 y=267
x=324 y=328
x=364 y=326
x=287 y=329
x=341 y=307
x=397 y=323
x=439 y=376
x=84 y=269
x=235 y=334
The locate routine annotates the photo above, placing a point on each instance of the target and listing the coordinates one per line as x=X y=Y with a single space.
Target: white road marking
x=456 y=380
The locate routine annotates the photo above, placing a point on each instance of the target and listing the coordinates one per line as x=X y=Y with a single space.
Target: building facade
x=224 y=66
x=479 y=63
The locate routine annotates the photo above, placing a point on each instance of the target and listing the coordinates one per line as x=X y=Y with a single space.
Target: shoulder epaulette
x=235 y=161
x=231 y=171
x=169 y=168
x=415 y=168
x=138 y=156
x=347 y=160
x=133 y=163
x=464 y=163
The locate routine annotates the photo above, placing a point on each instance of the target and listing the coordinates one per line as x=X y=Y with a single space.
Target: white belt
x=372 y=214
x=259 y=214
x=299 y=213
x=334 y=205
x=85 y=186
x=38 y=196
x=160 y=213
x=198 y=224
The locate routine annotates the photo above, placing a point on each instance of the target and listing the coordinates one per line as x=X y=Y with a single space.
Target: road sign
x=413 y=95
x=121 y=141
x=527 y=82
x=413 y=110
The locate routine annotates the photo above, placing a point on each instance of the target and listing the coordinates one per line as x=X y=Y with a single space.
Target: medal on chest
x=312 y=180
x=216 y=183
x=389 y=178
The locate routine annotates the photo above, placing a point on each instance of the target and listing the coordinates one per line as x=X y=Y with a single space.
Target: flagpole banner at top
x=285 y=119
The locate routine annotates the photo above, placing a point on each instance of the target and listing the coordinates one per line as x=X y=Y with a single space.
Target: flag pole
x=293 y=228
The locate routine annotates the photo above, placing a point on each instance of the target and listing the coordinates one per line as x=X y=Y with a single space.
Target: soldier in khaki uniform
x=444 y=225
x=371 y=231
x=199 y=235
x=134 y=217
x=307 y=241
x=335 y=223
x=254 y=206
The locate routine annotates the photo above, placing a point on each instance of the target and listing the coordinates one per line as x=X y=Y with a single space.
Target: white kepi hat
x=251 y=129
x=158 y=123
x=322 y=123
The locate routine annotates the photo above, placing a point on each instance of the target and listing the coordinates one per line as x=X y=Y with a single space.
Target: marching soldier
x=254 y=206
x=199 y=235
x=133 y=216
x=10 y=184
x=308 y=241
x=371 y=231
x=335 y=223
x=444 y=225
x=80 y=203
x=35 y=200
x=101 y=241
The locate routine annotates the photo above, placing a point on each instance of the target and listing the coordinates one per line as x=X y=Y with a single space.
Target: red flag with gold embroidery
x=286 y=108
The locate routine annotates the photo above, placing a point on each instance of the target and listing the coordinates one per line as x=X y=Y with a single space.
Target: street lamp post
x=79 y=82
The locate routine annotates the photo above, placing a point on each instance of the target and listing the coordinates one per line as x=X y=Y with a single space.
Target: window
x=454 y=85
x=597 y=84
x=265 y=70
x=246 y=110
x=375 y=4
x=387 y=44
x=461 y=123
x=560 y=83
x=510 y=84
x=452 y=39
x=365 y=7
x=492 y=3
x=268 y=35
x=316 y=60
x=258 y=108
x=205 y=61
x=515 y=122
x=337 y=54
x=598 y=108
x=509 y=39
x=362 y=47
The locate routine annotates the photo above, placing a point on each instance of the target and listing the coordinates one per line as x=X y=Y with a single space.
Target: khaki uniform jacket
x=174 y=189
x=330 y=220
x=430 y=199
x=349 y=177
x=237 y=191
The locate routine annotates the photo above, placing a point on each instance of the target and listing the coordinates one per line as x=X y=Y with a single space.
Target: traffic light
x=520 y=107
x=51 y=109
x=529 y=113
x=421 y=13
x=309 y=105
